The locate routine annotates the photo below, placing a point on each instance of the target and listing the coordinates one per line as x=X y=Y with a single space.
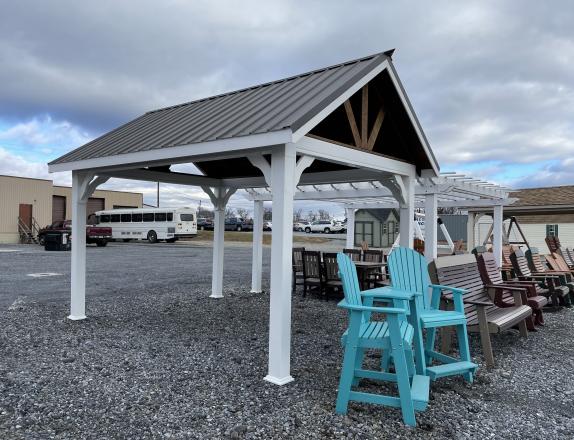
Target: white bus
x=151 y=224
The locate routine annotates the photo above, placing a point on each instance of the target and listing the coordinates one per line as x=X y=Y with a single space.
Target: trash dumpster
x=57 y=241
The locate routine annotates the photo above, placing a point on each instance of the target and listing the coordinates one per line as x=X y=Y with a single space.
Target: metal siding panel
x=252 y=110
x=455 y=225
x=58 y=208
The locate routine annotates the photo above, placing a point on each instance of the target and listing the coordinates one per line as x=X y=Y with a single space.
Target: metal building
x=29 y=204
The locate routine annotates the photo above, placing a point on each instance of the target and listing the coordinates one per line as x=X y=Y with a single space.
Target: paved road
x=119 y=268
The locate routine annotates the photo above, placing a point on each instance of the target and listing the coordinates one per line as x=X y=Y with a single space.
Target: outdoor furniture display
x=375 y=256
x=536 y=264
x=554 y=246
x=331 y=270
x=549 y=284
x=483 y=315
x=491 y=275
x=298 y=267
x=507 y=268
x=353 y=254
x=409 y=272
x=557 y=264
x=312 y=273
x=365 y=269
x=394 y=334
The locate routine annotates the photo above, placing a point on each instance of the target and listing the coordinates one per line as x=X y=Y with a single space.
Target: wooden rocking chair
x=394 y=334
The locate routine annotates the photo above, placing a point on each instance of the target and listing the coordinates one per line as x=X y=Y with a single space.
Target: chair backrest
x=348 y=275
x=312 y=264
x=553 y=243
x=409 y=271
x=506 y=252
x=460 y=271
x=353 y=254
x=568 y=255
x=535 y=261
x=489 y=269
x=519 y=263
x=298 y=259
x=553 y=262
x=373 y=256
x=560 y=262
x=479 y=250
x=331 y=266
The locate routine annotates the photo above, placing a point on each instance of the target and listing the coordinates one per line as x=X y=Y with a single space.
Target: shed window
x=126 y=218
x=552 y=230
x=148 y=217
x=115 y=218
x=136 y=217
x=384 y=228
x=105 y=218
x=160 y=216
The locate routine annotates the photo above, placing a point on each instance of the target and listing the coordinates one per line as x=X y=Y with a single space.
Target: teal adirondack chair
x=395 y=335
x=409 y=271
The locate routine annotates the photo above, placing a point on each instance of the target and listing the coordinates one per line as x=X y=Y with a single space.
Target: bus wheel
x=170 y=240
x=126 y=240
x=152 y=237
x=101 y=243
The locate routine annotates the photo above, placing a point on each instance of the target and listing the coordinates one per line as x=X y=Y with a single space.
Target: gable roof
x=287 y=104
x=381 y=214
x=552 y=195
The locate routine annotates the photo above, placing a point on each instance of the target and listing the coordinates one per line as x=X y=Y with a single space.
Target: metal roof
x=277 y=105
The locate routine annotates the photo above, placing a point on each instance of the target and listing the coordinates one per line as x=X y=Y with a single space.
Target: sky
x=492 y=82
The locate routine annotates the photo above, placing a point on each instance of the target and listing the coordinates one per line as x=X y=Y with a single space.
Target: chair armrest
x=357 y=308
x=457 y=294
x=452 y=289
x=479 y=303
x=390 y=293
x=505 y=287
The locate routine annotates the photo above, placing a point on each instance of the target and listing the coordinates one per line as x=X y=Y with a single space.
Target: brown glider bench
x=482 y=314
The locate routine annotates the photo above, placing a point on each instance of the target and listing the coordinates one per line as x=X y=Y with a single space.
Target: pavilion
x=351 y=122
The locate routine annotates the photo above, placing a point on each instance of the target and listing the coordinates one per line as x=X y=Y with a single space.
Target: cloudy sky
x=492 y=81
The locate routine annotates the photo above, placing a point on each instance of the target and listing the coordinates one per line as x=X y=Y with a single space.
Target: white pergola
x=282 y=136
x=447 y=190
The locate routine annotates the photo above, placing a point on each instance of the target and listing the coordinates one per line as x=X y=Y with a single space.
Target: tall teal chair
x=409 y=271
x=394 y=334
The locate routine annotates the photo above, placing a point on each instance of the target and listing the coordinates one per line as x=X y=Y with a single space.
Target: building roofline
x=27 y=178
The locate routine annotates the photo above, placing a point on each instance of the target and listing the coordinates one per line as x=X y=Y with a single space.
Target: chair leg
x=485 y=337
x=346 y=380
x=464 y=349
x=429 y=343
x=385 y=360
x=404 y=384
x=446 y=340
x=523 y=328
x=359 y=358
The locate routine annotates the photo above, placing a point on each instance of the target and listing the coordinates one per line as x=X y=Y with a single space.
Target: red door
x=25 y=214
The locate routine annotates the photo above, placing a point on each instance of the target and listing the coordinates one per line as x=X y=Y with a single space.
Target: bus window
x=148 y=217
x=186 y=217
x=126 y=218
x=105 y=218
x=170 y=216
x=136 y=217
x=115 y=218
x=160 y=216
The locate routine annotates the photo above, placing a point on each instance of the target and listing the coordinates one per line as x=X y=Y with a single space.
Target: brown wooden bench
x=491 y=275
x=482 y=313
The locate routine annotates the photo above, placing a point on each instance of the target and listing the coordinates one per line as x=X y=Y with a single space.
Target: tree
x=267 y=214
x=204 y=212
x=324 y=215
x=311 y=216
x=229 y=212
x=243 y=213
x=298 y=215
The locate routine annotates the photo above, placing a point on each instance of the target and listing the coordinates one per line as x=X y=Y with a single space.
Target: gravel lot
x=158 y=359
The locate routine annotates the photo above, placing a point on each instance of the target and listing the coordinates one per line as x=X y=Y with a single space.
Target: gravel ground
x=158 y=359
x=176 y=364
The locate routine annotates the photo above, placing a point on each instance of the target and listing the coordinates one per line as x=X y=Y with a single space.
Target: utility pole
x=157 y=203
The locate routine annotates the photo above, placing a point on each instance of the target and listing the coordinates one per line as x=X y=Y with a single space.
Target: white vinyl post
x=407 y=214
x=497 y=234
x=78 y=275
x=218 y=249
x=350 y=214
x=470 y=236
x=282 y=172
x=431 y=217
x=257 y=263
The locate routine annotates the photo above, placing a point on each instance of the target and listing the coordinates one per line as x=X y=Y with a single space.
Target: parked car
x=267 y=226
x=99 y=235
x=300 y=226
x=326 y=226
x=238 y=224
x=205 y=224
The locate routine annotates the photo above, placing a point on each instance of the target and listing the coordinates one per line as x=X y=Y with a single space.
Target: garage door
x=95 y=204
x=58 y=208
